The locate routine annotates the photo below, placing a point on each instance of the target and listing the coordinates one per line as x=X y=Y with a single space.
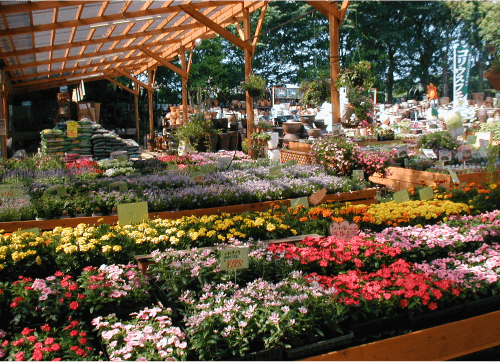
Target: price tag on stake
x=11 y=191
x=426 y=193
x=344 y=230
x=300 y=201
x=234 y=259
x=454 y=176
x=132 y=212
x=401 y=196
x=36 y=231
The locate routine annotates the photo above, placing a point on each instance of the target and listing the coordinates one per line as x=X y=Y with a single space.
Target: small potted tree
x=198 y=131
x=493 y=74
x=255 y=85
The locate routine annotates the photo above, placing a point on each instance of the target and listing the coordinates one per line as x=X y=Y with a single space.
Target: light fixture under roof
x=85 y=77
x=125 y=21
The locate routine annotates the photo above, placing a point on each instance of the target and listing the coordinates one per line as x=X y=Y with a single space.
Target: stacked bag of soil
x=105 y=142
x=53 y=142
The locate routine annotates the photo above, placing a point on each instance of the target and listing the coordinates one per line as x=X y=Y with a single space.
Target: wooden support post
x=184 y=80
x=248 y=71
x=334 y=27
x=136 y=111
x=150 y=112
x=4 y=113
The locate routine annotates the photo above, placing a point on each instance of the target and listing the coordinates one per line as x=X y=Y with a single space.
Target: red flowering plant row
x=57 y=297
x=331 y=255
x=388 y=290
x=71 y=342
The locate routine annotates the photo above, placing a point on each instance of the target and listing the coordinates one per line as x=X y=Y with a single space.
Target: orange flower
x=302 y=219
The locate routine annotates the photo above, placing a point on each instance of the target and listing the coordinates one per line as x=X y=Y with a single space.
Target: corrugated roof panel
x=2 y=24
x=114 y=7
x=42 y=68
x=22 y=42
x=18 y=20
x=56 y=66
x=81 y=33
x=118 y=29
x=40 y=57
x=23 y=59
x=42 y=38
x=67 y=13
x=62 y=36
x=135 y=6
x=89 y=48
x=5 y=45
x=122 y=43
x=100 y=32
x=90 y=10
x=72 y=63
x=42 y=17
x=59 y=53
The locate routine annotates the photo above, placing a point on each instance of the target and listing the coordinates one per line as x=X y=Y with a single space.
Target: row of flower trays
x=366 y=197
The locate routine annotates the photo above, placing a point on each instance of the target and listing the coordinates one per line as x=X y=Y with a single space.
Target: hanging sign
x=461 y=73
x=318 y=197
x=234 y=259
x=132 y=212
x=344 y=230
x=72 y=129
x=3 y=127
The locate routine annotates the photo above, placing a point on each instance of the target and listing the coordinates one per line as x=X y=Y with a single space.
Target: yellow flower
x=38 y=260
x=293 y=231
x=211 y=233
x=117 y=248
x=106 y=248
x=270 y=227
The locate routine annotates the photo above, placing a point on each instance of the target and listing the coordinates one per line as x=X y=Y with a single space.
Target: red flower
x=59 y=274
x=72 y=287
x=55 y=347
x=38 y=345
x=37 y=355
x=83 y=334
x=26 y=331
x=432 y=306
x=81 y=296
x=82 y=340
x=57 y=359
x=73 y=333
x=4 y=343
x=74 y=348
x=19 y=356
x=61 y=300
x=45 y=328
x=88 y=268
x=74 y=323
x=74 y=305
x=49 y=340
x=31 y=339
x=28 y=288
x=67 y=295
x=403 y=303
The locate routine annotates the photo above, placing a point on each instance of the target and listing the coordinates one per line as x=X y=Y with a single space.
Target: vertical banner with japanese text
x=461 y=72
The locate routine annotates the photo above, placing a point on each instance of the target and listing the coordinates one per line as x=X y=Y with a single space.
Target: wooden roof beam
x=22 y=7
x=108 y=18
x=325 y=8
x=162 y=61
x=226 y=34
x=122 y=86
x=258 y=27
x=343 y=10
x=135 y=80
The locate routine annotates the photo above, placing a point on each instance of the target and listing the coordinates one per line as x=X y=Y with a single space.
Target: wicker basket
x=302 y=158
x=300 y=146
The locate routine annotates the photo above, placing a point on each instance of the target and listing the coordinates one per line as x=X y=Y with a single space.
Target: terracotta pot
x=291 y=131
x=314 y=132
x=299 y=146
x=307 y=119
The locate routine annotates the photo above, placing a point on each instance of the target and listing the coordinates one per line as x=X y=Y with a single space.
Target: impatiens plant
x=148 y=336
x=110 y=286
x=68 y=343
x=225 y=320
x=41 y=300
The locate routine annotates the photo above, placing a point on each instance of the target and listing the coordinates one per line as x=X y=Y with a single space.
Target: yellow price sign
x=233 y=259
x=72 y=129
x=132 y=212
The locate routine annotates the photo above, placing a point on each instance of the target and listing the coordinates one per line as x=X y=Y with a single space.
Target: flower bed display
x=312 y=291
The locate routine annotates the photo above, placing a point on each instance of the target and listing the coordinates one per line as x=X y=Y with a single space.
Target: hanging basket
x=254 y=93
x=493 y=78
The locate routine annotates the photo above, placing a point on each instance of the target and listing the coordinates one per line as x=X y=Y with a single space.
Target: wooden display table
x=434 y=344
x=366 y=197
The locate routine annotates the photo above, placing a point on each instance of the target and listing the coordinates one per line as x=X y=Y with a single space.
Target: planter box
x=355 y=197
x=322 y=346
x=404 y=178
x=434 y=344
x=299 y=146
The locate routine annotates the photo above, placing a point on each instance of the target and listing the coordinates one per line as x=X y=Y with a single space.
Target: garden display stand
x=440 y=343
x=366 y=197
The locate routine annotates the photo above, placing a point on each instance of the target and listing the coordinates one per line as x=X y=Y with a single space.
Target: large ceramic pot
x=314 y=132
x=307 y=119
x=291 y=131
x=481 y=115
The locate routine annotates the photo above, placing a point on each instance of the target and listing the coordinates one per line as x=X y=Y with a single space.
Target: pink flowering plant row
x=148 y=336
x=226 y=320
x=71 y=342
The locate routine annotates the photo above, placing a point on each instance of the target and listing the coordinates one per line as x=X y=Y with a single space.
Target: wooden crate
x=302 y=158
x=89 y=110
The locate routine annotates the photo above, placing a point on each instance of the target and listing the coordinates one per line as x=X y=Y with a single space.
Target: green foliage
x=197 y=130
x=438 y=140
x=315 y=92
x=255 y=85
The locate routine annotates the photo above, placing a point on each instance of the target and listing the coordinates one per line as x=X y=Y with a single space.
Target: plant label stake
x=300 y=201
x=12 y=191
x=401 y=196
x=344 y=230
x=72 y=129
x=454 y=176
x=132 y=212
x=234 y=259
x=426 y=193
